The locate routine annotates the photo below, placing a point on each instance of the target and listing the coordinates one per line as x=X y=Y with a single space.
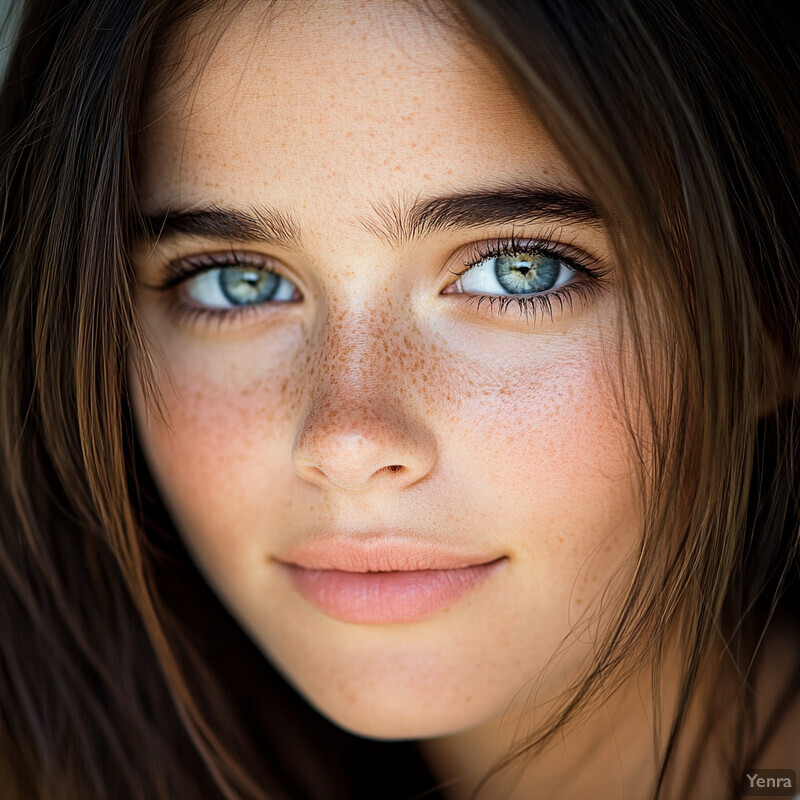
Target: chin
x=418 y=719
x=387 y=730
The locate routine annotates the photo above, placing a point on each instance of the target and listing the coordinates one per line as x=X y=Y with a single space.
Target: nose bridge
x=359 y=421
x=355 y=356
x=354 y=385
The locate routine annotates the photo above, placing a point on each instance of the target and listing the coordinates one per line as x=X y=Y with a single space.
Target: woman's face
x=340 y=401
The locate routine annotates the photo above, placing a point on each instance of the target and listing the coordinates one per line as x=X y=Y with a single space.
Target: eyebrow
x=394 y=222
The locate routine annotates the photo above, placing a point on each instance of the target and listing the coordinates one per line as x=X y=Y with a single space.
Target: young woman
x=398 y=399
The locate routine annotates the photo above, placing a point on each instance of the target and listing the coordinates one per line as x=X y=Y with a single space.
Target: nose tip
x=397 y=455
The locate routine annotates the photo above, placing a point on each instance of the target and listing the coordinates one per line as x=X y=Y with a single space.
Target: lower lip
x=382 y=597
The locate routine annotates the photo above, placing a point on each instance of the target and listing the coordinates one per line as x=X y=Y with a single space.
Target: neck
x=615 y=750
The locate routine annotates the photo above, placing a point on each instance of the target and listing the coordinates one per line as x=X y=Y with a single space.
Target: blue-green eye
x=516 y=273
x=228 y=287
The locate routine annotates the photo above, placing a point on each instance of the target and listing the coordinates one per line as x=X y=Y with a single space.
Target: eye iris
x=247 y=285
x=526 y=273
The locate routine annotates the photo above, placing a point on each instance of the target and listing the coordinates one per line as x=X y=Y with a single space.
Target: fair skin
x=372 y=396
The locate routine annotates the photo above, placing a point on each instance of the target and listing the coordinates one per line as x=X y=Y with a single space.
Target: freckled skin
x=283 y=426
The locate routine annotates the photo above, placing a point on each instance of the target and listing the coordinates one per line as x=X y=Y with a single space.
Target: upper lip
x=379 y=554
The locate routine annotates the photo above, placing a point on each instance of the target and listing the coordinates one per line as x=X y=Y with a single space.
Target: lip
x=383 y=581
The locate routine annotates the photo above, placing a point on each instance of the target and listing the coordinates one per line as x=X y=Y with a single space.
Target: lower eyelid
x=198 y=316
x=549 y=304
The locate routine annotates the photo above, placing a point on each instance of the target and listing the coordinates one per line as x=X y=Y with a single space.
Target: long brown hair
x=681 y=119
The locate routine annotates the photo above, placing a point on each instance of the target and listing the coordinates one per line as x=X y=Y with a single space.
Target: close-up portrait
x=399 y=400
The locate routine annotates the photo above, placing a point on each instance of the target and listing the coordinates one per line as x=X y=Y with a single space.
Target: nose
x=359 y=449
x=359 y=433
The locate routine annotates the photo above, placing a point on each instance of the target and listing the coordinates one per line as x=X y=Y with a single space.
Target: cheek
x=213 y=459
x=554 y=435
x=545 y=460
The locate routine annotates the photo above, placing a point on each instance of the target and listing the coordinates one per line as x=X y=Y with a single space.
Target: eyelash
x=585 y=289
x=186 y=268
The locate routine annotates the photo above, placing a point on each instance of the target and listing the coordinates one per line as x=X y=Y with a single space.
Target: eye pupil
x=526 y=273
x=247 y=285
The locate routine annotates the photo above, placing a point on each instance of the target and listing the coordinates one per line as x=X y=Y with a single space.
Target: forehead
x=332 y=103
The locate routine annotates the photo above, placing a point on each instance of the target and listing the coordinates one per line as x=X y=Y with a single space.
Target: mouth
x=388 y=582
